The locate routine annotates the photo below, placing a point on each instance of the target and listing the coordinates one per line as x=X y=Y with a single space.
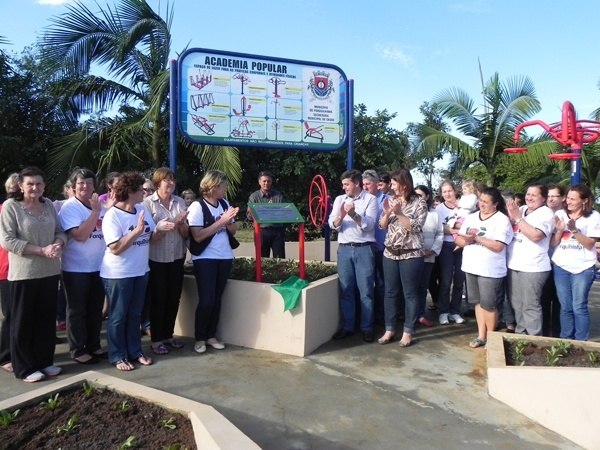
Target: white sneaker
x=51 y=371
x=444 y=319
x=456 y=318
x=214 y=343
x=34 y=377
x=200 y=346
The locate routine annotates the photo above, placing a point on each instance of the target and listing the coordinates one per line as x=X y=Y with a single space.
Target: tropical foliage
x=482 y=136
x=116 y=62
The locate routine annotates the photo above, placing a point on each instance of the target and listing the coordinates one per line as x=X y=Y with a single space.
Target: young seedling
x=593 y=358
x=52 y=402
x=88 y=389
x=7 y=418
x=553 y=356
x=519 y=349
x=70 y=426
x=129 y=443
x=169 y=423
x=123 y=406
x=563 y=347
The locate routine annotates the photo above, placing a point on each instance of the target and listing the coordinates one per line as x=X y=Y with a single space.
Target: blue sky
x=400 y=53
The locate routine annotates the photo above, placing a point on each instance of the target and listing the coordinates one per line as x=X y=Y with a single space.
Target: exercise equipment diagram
x=202 y=123
x=201 y=100
x=313 y=132
x=242 y=129
x=244 y=80
x=202 y=80
x=244 y=107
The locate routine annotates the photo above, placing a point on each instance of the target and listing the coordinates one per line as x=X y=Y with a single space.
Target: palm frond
x=455 y=104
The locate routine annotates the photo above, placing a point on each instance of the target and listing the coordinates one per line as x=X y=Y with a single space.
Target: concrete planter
x=252 y=316
x=211 y=429
x=564 y=399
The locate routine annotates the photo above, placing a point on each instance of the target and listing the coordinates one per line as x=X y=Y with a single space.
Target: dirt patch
x=520 y=352
x=97 y=419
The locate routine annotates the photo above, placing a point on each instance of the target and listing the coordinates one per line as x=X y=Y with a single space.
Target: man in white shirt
x=354 y=216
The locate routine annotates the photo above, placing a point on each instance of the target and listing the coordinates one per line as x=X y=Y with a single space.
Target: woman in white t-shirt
x=81 y=218
x=574 y=259
x=528 y=259
x=484 y=236
x=128 y=229
x=213 y=265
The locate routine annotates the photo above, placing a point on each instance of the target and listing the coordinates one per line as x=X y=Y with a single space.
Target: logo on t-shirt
x=146 y=228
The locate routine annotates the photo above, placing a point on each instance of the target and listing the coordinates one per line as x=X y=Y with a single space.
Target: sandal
x=476 y=343
x=123 y=365
x=144 y=360
x=159 y=349
x=174 y=343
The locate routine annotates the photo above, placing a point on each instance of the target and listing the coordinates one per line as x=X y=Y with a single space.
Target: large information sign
x=248 y=100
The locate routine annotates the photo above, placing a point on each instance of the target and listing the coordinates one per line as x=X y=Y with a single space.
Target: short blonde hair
x=12 y=183
x=469 y=185
x=212 y=180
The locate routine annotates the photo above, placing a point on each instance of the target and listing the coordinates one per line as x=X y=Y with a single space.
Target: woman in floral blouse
x=403 y=216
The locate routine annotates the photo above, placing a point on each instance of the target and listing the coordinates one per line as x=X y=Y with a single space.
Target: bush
x=277 y=270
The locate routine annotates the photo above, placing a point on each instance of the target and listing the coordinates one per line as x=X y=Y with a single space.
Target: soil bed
x=521 y=353
x=104 y=419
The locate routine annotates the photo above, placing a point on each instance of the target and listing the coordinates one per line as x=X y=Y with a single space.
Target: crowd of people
x=527 y=268
x=119 y=256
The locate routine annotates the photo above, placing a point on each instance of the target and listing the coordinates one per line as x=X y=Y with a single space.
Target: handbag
x=196 y=248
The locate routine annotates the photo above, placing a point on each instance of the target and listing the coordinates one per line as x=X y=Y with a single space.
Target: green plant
x=277 y=270
x=52 y=403
x=563 y=347
x=70 y=426
x=129 y=443
x=593 y=358
x=169 y=423
x=88 y=389
x=123 y=406
x=7 y=418
x=553 y=356
x=519 y=349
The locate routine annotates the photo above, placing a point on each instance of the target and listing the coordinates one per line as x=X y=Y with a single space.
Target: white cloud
x=395 y=54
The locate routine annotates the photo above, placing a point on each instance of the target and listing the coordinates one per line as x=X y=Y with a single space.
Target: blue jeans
x=402 y=276
x=126 y=298
x=572 y=290
x=423 y=286
x=356 y=270
x=450 y=275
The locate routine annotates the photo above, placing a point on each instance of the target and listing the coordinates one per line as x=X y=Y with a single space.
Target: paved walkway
x=348 y=394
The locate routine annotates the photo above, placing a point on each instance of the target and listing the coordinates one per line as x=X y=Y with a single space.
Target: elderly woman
x=12 y=187
x=450 y=260
x=211 y=218
x=81 y=218
x=574 y=259
x=31 y=232
x=403 y=216
x=484 y=236
x=528 y=260
x=167 y=255
x=128 y=230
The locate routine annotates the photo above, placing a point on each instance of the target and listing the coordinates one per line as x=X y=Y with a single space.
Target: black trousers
x=32 y=324
x=5 y=304
x=165 y=284
x=85 y=297
x=272 y=238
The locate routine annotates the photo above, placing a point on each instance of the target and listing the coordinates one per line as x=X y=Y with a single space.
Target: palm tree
x=488 y=133
x=131 y=43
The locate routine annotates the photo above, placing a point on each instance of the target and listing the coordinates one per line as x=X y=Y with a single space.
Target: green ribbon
x=290 y=290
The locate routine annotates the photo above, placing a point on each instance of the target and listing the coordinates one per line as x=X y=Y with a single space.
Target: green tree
x=482 y=136
x=425 y=158
x=29 y=116
x=130 y=42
